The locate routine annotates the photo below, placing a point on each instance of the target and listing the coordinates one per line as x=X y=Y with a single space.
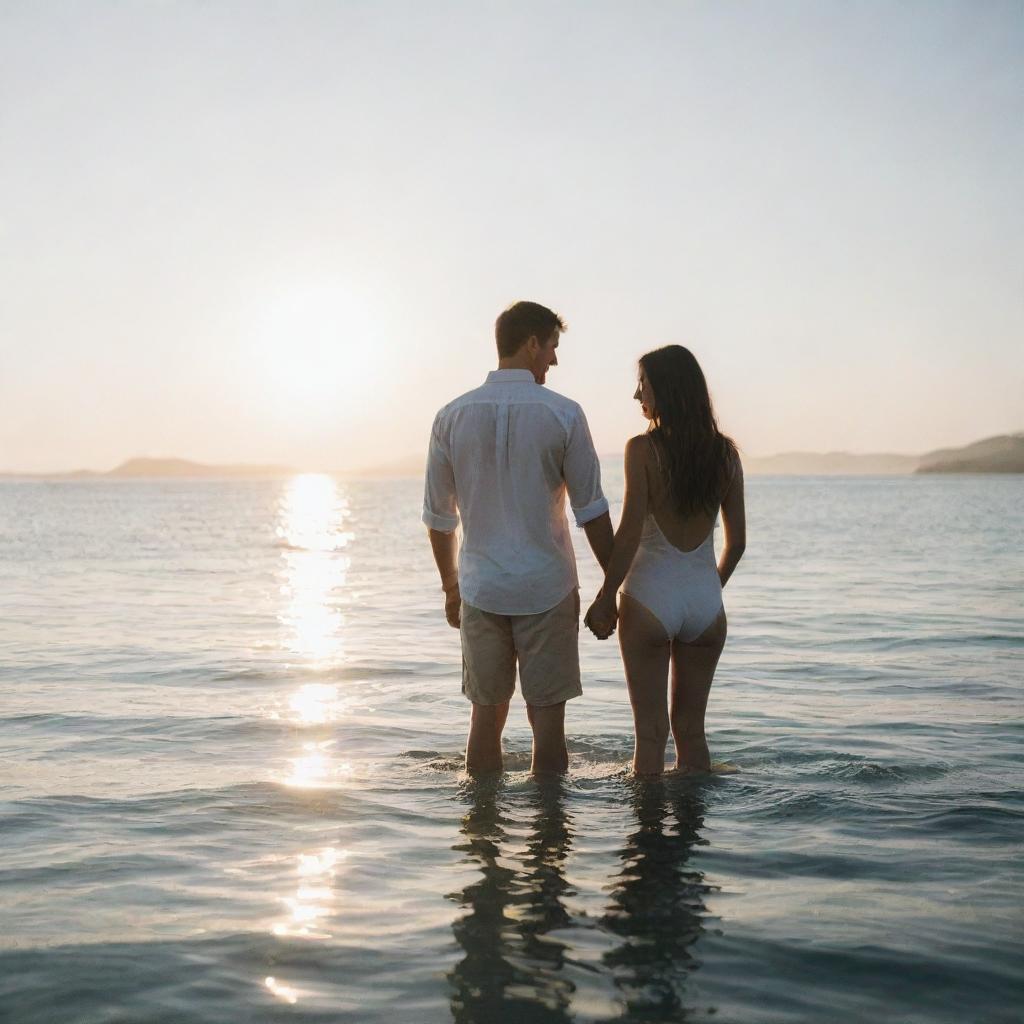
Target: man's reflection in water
x=658 y=902
x=512 y=970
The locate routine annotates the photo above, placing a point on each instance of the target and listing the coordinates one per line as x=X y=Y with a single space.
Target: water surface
x=230 y=737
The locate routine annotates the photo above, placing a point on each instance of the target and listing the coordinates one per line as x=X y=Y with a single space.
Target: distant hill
x=995 y=455
x=792 y=463
x=145 y=468
x=830 y=464
x=134 y=468
x=1002 y=454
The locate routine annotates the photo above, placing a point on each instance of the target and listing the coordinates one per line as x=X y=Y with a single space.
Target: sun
x=316 y=347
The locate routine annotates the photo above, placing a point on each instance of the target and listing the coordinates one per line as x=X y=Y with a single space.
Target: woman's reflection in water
x=512 y=970
x=658 y=902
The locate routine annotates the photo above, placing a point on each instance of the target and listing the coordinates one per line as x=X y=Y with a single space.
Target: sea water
x=231 y=730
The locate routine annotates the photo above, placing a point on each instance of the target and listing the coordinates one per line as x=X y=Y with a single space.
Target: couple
x=502 y=458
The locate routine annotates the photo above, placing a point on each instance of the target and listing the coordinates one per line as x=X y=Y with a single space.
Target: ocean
x=230 y=767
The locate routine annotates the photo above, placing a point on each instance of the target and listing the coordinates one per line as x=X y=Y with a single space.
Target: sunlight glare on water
x=315 y=704
x=310 y=530
x=312 y=514
x=315 y=767
x=311 y=905
x=283 y=992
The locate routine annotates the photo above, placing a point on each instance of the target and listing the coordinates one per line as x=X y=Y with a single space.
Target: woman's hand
x=601 y=617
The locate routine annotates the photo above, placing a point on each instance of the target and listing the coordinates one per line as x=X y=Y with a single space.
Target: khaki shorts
x=546 y=646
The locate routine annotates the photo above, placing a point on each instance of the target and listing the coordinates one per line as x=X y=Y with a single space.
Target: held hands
x=602 y=616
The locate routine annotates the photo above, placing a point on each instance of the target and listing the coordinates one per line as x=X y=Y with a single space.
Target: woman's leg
x=645 y=655
x=693 y=670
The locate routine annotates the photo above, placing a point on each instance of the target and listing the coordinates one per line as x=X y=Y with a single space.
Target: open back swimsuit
x=681 y=589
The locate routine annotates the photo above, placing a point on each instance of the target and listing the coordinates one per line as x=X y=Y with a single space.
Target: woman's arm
x=734 y=519
x=602 y=614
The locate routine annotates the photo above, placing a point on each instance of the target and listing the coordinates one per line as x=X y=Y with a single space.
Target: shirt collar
x=507 y=376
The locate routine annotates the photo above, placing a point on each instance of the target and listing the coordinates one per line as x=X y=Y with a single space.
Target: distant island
x=145 y=468
x=183 y=467
x=1002 y=454
x=829 y=464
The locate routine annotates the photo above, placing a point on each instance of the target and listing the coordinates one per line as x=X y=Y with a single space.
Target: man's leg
x=488 y=680
x=549 y=750
x=549 y=670
x=483 y=748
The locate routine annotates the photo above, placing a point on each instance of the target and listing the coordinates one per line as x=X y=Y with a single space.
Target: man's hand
x=453 y=606
x=601 y=617
x=444 y=546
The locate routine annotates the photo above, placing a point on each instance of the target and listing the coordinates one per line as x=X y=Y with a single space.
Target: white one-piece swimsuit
x=681 y=589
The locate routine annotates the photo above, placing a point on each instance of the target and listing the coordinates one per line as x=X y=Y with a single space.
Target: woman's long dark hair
x=698 y=460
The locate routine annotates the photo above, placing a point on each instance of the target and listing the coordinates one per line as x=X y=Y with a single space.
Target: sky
x=281 y=232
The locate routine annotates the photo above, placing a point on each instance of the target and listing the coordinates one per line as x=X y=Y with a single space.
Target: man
x=503 y=458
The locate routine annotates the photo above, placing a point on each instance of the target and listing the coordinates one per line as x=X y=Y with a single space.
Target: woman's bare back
x=686 y=532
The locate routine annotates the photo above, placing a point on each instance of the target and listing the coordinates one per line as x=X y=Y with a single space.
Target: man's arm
x=600 y=537
x=582 y=472
x=445 y=548
x=441 y=515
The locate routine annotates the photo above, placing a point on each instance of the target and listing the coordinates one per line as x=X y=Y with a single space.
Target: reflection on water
x=312 y=903
x=657 y=904
x=311 y=521
x=512 y=970
x=283 y=992
x=314 y=703
x=311 y=704
x=514 y=967
x=316 y=768
x=311 y=532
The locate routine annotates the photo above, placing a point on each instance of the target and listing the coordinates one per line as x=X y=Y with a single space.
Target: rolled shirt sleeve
x=440 y=509
x=582 y=472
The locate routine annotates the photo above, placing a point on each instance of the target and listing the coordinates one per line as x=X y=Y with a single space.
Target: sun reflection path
x=283 y=992
x=314 y=768
x=315 y=704
x=312 y=537
x=312 y=534
x=311 y=906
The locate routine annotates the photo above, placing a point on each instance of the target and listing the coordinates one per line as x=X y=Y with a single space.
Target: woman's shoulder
x=733 y=472
x=639 y=446
x=639 y=452
x=640 y=460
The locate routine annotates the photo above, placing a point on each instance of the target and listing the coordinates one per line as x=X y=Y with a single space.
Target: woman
x=678 y=475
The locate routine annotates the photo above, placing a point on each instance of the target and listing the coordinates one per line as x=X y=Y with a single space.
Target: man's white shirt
x=503 y=457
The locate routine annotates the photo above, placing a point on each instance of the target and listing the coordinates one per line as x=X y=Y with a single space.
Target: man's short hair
x=523 y=320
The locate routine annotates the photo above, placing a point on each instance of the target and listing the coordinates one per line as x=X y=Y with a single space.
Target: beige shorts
x=546 y=646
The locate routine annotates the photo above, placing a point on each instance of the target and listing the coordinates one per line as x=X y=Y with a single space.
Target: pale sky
x=281 y=232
